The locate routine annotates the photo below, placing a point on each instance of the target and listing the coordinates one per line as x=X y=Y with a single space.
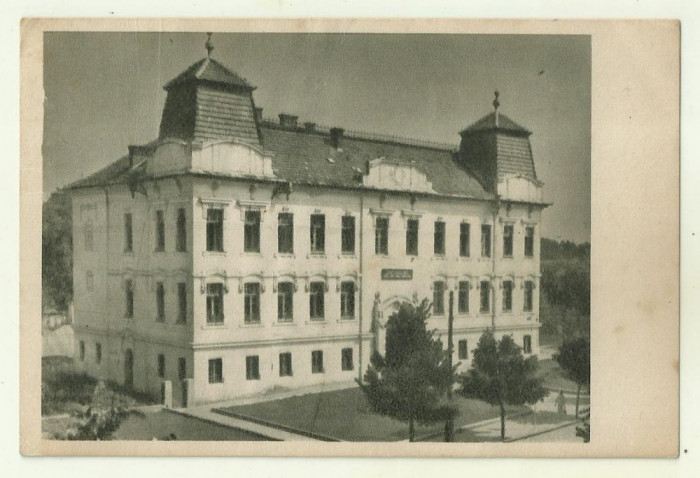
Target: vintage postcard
x=349 y=238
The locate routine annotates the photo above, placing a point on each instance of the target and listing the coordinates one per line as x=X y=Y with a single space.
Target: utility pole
x=450 y=424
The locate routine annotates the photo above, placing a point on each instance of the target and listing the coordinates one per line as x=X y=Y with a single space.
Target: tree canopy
x=409 y=383
x=57 y=251
x=574 y=357
x=500 y=375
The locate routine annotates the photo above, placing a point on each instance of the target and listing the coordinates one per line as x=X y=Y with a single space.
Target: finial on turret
x=496 y=104
x=209 y=45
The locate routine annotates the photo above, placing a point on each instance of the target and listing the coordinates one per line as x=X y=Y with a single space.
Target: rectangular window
x=160 y=302
x=82 y=350
x=252 y=303
x=181 y=238
x=463 y=352
x=485 y=240
x=347 y=359
x=348 y=235
x=507 y=296
x=527 y=300
x=252 y=367
x=317 y=361
x=485 y=296
x=216 y=372
x=529 y=241
x=527 y=344
x=129 y=296
x=464 y=239
x=285 y=301
x=251 y=232
x=318 y=233
x=181 y=303
x=285 y=233
x=347 y=300
x=215 y=230
x=128 y=233
x=439 y=238
x=508 y=240
x=438 y=298
x=88 y=236
x=285 y=364
x=181 y=368
x=98 y=353
x=463 y=297
x=412 y=237
x=160 y=231
x=316 y=299
x=381 y=236
x=215 y=303
x=161 y=365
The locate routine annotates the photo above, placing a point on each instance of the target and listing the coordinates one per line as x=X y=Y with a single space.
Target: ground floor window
x=216 y=373
x=463 y=351
x=527 y=344
x=317 y=361
x=252 y=367
x=181 y=368
x=347 y=359
x=82 y=350
x=485 y=289
x=285 y=364
x=161 y=365
x=98 y=353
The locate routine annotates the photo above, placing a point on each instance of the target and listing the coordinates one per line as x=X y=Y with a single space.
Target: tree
x=102 y=417
x=57 y=251
x=500 y=375
x=575 y=358
x=410 y=381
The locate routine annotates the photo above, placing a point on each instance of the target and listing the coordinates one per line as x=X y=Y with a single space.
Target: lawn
x=64 y=391
x=345 y=415
x=160 y=425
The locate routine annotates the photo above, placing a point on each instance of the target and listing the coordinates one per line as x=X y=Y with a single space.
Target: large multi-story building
x=233 y=255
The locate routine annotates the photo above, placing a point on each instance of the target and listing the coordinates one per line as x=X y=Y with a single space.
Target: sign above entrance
x=397 y=274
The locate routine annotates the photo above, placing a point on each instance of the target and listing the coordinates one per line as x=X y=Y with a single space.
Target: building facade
x=234 y=255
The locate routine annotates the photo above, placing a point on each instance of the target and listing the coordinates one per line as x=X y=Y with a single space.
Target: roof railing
x=370 y=136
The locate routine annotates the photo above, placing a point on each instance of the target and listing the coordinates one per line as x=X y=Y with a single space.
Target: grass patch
x=63 y=390
x=345 y=414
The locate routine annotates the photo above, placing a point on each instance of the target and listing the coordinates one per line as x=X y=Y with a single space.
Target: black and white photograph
x=332 y=237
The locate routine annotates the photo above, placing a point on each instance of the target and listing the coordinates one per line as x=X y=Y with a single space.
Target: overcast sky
x=104 y=92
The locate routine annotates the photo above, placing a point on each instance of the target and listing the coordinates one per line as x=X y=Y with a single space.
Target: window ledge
x=316 y=322
x=214 y=253
x=215 y=326
x=508 y=257
x=251 y=254
x=316 y=255
x=251 y=325
x=347 y=255
x=285 y=255
x=440 y=257
x=347 y=320
x=286 y=323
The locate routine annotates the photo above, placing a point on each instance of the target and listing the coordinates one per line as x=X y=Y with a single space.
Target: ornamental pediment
x=520 y=188
x=387 y=174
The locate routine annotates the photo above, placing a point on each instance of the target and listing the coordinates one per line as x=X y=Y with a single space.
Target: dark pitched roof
x=212 y=71
x=302 y=158
x=514 y=157
x=488 y=123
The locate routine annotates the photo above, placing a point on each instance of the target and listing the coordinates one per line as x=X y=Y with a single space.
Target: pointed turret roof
x=212 y=71
x=489 y=123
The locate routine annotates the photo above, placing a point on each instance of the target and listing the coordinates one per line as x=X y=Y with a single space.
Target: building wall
x=100 y=310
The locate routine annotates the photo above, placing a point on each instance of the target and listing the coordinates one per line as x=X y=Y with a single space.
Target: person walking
x=560 y=402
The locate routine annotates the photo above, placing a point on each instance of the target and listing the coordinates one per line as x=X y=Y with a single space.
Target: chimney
x=336 y=134
x=309 y=127
x=288 y=121
x=258 y=114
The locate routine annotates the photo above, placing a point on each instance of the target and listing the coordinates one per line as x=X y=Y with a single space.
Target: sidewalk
x=543 y=419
